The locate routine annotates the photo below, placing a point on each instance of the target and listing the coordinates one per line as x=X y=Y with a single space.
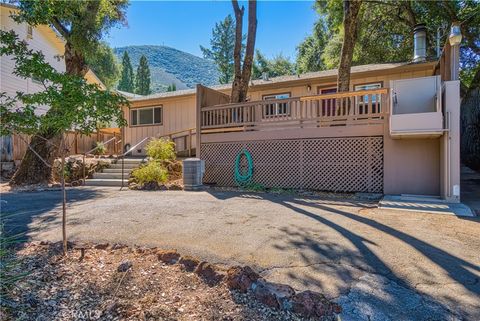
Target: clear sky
x=282 y=25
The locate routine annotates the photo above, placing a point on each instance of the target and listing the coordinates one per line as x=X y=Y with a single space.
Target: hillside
x=169 y=65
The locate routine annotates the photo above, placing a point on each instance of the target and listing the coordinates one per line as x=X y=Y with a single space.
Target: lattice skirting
x=352 y=164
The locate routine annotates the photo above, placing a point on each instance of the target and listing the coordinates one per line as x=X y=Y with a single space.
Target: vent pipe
x=265 y=76
x=419 y=43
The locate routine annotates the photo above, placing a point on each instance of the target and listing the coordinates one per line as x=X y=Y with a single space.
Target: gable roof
x=59 y=42
x=289 y=79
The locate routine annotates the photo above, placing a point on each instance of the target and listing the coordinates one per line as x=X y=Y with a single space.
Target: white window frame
x=137 y=113
x=276 y=108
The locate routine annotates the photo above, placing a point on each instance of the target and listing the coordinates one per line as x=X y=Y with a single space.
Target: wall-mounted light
x=455 y=37
x=309 y=88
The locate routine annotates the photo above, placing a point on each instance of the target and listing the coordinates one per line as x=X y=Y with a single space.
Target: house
x=42 y=38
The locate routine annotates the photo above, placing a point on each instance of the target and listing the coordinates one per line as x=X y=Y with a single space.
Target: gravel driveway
x=378 y=264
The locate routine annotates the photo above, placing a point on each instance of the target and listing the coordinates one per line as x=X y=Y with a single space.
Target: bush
x=161 y=149
x=100 y=148
x=152 y=172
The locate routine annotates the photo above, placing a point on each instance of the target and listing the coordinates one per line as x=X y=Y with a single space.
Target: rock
x=208 y=273
x=118 y=246
x=174 y=187
x=124 y=266
x=102 y=246
x=168 y=256
x=241 y=278
x=189 y=263
x=272 y=294
x=309 y=303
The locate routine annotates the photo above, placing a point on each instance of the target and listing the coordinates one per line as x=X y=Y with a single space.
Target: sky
x=183 y=25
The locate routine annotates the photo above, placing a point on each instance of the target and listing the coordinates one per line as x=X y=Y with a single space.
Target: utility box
x=193 y=170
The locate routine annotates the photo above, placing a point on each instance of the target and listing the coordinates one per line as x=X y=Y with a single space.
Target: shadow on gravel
x=20 y=209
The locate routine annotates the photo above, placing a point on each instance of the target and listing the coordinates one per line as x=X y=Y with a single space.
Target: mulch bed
x=114 y=282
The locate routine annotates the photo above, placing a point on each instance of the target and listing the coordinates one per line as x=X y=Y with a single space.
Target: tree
x=172 y=87
x=143 y=77
x=278 y=66
x=222 y=46
x=310 y=51
x=73 y=103
x=127 y=79
x=105 y=65
x=81 y=24
x=242 y=72
x=351 y=9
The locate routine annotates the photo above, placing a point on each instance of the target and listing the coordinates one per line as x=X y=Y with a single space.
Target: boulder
x=168 y=256
x=209 y=273
x=241 y=278
x=272 y=294
x=310 y=303
x=189 y=263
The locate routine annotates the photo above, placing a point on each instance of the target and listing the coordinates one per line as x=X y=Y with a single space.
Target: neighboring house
x=42 y=38
x=395 y=132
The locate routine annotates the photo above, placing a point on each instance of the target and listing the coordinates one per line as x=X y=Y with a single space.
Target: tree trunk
x=32 y=169
x=243 y=73
x=351 y=8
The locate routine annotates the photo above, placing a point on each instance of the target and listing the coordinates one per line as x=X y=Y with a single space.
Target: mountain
x=169 y=65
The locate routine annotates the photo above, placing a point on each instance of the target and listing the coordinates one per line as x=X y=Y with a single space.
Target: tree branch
x=60 y=28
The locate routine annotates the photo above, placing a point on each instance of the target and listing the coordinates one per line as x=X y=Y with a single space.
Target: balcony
x=416 y=108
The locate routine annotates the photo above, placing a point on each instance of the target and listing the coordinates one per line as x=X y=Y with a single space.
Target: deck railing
x=339 y=109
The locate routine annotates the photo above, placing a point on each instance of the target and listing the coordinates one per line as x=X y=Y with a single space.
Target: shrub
x=161 y=149
x=152 y=172
x=100 y=148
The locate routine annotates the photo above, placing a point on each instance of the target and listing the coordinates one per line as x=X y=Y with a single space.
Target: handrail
x=88 y=152
x=178 y=132
x=134 y=146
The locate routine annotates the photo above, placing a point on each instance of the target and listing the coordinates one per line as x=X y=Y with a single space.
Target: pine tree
x=143 y=77
x=172 y=87
x=127 y=79
x=221 y=51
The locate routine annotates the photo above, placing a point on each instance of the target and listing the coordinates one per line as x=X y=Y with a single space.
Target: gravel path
x=379 y=264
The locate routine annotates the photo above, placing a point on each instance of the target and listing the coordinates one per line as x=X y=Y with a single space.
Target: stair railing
x=128 y=152
x=92 y=150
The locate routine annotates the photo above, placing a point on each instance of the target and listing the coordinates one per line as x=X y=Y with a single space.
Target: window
x=363 y=101
x=29 y=32
x=277 y=109
x=146 y=116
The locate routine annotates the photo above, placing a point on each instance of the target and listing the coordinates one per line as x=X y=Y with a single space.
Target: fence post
x=75 y=142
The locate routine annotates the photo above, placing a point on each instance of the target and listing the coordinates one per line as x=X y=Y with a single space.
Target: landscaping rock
x=168 y=256
x=102 y=246
x=124 y=266
x=241 y=278
x=272 y=294
x=189 y=263
x=310 y=303
x=208 y=273
x=118 y=246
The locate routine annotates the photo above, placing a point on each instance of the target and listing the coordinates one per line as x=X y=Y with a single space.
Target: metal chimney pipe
x=419 y=43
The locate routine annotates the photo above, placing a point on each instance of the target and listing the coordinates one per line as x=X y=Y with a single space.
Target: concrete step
x=117 y=170
x=126 y=165
x=106 y=182
x=132 y=161
x=111 y=175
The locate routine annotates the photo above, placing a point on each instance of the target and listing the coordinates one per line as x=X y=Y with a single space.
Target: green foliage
x=161 y=149
x=385 y=33
x=105 y=65
x=127 y=79
x=152 y=172
x=172 y=87
x=81 y=23
x=74 y=104
x=168 y=65
x=254 y=187
x=100 y=148
x=143 y=77
x=278 y=66
x=9 y=274
x=222 y=46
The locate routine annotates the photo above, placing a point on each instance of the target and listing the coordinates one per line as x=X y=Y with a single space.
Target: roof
x=128 y=95
x=287 y=79
x=59 y=41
